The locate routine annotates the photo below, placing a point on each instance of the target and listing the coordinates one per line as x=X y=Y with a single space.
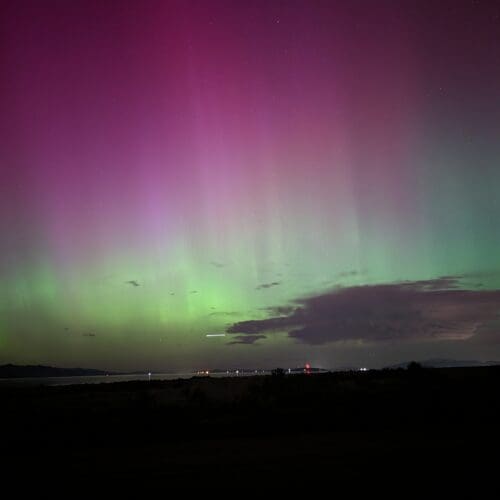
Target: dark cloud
x=246 y=339
x=268 y=285
x=418 y=310
x=217 y=264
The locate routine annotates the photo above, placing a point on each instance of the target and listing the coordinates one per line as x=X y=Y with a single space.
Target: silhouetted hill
x=16 y=371
x=446 y=363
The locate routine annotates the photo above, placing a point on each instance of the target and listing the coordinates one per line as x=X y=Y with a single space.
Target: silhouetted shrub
x=414 y=365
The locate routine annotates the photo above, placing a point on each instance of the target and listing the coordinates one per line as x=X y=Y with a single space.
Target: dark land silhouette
x=28 y=371
x=411 y=426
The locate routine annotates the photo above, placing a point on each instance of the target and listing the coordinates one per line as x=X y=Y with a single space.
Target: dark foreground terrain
x=401 y=429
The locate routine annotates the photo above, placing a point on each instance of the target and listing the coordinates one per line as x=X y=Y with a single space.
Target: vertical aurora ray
x=204 y=149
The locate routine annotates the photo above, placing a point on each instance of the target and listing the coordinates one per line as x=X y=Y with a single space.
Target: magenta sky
x=232 y=158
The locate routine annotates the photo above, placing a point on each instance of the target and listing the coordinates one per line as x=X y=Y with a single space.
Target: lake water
x=106 y=379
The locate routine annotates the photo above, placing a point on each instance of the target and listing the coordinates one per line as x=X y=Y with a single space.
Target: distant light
x=363 y=369
x=308 y=366
x=216 y=335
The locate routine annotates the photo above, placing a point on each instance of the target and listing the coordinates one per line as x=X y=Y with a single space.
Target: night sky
x=318 y=180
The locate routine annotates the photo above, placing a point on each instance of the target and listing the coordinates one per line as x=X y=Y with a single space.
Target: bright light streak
x=216 y=334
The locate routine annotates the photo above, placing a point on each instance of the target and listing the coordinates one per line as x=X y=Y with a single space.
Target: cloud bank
x=246 y=340
x=417 y=310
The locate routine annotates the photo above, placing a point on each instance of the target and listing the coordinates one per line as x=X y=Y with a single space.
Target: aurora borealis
x=170 y=170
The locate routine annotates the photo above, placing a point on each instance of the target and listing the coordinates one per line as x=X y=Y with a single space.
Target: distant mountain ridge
x=17 y=371
x=446 y=363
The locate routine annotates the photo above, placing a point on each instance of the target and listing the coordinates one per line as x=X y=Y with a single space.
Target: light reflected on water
x=106 y=379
